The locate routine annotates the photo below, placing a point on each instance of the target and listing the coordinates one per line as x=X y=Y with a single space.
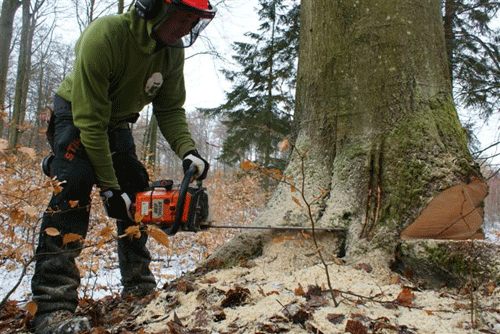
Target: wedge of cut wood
x=456 y=214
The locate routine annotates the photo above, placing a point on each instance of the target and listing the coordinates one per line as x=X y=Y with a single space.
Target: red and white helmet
x=201 y=8
x=148 y=9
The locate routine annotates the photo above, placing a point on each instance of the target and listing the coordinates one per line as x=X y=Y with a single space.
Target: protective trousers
x=56 y=278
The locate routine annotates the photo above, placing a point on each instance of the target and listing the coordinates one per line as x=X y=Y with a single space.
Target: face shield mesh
x=204 y=18
x=191 y=37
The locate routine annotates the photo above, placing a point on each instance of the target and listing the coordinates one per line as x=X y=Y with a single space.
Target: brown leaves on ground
x=405 y=297
x=13 y=318
x=236 y=297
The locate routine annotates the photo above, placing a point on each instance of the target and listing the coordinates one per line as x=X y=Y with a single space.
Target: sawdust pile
x=285 y=291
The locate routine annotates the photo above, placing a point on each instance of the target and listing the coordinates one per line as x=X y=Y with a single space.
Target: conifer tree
x=473 y=53
x=258 y=110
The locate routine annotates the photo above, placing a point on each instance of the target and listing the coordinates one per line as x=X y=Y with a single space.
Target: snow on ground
x=280 y=284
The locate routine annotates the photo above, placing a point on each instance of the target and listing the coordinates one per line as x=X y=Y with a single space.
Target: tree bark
x=153 y=137
x=448 y=22
x=9 y=8
x=23 y=76
x=121 y=6
x=378 y=134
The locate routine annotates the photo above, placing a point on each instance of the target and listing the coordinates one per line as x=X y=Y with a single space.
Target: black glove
x=194 y=158
x=116 y=203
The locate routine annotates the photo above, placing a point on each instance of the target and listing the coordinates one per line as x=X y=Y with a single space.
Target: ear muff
x=147 y=9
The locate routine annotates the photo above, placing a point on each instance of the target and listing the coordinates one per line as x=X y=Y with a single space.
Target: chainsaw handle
x=179 y=210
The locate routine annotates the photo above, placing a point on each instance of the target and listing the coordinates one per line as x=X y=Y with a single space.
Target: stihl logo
x=71 y=150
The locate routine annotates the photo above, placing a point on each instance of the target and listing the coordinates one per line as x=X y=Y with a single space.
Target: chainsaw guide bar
x=186 y=209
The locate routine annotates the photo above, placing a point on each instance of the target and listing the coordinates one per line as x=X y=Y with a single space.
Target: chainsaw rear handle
x=179 y=210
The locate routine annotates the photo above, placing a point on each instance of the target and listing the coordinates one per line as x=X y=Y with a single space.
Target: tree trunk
x=449 y=17
x=121 y=6
x=23 y=76
x=153 y=136
x=9 y=8
x=378 y=134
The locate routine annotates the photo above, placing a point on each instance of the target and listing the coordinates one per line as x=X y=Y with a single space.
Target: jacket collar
x=143 y=30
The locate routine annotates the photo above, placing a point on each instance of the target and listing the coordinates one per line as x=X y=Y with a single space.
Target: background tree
x=258 y=111
x=473 y=53
x=89 y=10
x=9 y=8
x=33 y=16
x=23 y=74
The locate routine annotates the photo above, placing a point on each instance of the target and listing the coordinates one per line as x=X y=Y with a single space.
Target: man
x=123 y=62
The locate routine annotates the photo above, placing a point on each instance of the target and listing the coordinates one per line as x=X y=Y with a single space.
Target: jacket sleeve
x=168 y=107
x=91 y=105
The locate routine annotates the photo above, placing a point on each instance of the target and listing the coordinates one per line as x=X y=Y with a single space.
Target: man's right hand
x=116 y=203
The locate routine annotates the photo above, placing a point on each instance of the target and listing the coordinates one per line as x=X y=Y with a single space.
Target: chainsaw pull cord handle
x=179 y=210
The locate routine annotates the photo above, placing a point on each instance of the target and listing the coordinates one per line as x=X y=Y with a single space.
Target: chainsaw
x=172 y=208
x=186 y=208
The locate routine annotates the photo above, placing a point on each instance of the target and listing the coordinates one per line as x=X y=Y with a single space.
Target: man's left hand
x=193 y=158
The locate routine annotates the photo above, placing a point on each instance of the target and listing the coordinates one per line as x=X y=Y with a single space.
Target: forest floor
x=285 y=290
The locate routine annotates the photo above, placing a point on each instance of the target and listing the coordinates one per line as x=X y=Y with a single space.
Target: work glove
x=116 y=203
x=193 y=158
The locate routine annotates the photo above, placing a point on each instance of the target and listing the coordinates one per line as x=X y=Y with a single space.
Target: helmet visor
x=200 y=19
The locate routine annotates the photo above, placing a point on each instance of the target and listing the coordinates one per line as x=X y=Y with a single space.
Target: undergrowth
x=24 y=195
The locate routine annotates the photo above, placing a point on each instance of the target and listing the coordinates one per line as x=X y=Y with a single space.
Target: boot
x=59 y=322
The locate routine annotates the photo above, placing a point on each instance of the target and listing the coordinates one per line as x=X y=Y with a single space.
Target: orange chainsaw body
x=159 y=206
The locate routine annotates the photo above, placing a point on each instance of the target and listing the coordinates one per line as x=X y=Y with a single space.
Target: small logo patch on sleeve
x=153 y=84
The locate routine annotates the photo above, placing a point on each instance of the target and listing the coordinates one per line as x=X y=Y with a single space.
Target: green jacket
x=118 y=70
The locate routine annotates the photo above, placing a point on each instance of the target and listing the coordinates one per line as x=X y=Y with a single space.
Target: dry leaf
x=106 y=232
x=284 y=145
x=133 y=231
x=31 y=307
x=138 y=216
x=335 y=318
x=296 y=201
x=405 y=298
x=281 y=239
x=490 y=287
x=299 y=291
x=157 y=234
x=355 y=327
x=30 y=210
x=73 y=204
x=336 y=259
x=210 y=280
x=395 y=279
x=28 y=151
x=247 y=165
x=52 y=231
x=71 y=237
x=57 y=189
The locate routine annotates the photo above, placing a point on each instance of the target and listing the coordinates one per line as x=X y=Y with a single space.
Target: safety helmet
x=205 y=12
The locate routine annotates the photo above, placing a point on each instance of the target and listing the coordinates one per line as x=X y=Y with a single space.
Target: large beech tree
x=379 y=148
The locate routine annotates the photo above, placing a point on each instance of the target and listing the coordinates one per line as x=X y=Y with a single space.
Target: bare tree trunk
x=121 y=6
x=449 y=16
x=9 y=8
x=23 y=76
x=151 y=143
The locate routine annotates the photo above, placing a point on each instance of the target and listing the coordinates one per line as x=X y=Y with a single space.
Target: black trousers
x=56 y=278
